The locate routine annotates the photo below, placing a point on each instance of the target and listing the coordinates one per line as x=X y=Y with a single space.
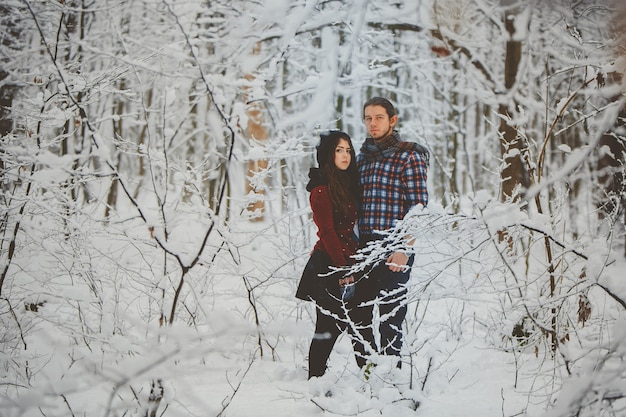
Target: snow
x=461 y=362
x=178 y=288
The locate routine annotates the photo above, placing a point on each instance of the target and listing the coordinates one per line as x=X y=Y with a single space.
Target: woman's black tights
x=328 y=327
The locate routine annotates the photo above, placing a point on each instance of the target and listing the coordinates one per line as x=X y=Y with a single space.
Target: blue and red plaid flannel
x=390 y=188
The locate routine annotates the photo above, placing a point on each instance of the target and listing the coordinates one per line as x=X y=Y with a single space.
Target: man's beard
x=384 y=135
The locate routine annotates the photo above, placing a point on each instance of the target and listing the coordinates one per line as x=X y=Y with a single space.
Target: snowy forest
x=155 y=221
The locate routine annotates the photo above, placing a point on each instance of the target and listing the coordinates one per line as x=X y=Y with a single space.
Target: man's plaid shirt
x=391 y=186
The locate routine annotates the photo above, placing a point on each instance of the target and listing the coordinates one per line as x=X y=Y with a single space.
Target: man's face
x=377 y=122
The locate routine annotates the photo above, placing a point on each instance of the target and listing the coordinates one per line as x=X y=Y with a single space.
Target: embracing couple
x=375 y=189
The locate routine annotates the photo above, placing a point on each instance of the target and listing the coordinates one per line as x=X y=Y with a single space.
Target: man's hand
x=397 y=262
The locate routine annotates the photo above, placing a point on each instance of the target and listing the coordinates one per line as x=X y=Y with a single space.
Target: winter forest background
x=154 y=217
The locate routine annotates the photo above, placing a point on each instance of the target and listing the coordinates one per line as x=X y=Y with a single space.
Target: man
x=393 y=179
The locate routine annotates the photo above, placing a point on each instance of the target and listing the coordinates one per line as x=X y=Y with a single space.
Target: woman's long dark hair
x=343 y=186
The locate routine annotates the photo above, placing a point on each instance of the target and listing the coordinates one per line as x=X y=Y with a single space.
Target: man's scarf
x=377 y=150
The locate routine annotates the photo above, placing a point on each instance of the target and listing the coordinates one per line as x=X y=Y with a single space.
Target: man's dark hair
x=380 y=101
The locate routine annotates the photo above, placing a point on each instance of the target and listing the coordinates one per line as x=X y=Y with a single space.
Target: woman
x=334 y=198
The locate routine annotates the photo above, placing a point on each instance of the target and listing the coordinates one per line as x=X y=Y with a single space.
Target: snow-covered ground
x=460 y=358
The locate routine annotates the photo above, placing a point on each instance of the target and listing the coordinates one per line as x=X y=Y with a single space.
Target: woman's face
x=343 y=155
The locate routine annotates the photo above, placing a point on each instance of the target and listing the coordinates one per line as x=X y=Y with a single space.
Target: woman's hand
x=346 y=281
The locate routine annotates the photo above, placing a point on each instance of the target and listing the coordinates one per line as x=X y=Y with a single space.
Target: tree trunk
x=118 y=132
x=256 y=131
x=7 y=89
x=514 y=173
x=610 y=166
x=154 y=400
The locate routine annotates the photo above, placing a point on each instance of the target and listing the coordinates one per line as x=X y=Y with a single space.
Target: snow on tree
x=128 y=134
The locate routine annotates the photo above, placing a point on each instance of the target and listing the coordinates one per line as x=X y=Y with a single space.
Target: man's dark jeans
x=392 y=308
